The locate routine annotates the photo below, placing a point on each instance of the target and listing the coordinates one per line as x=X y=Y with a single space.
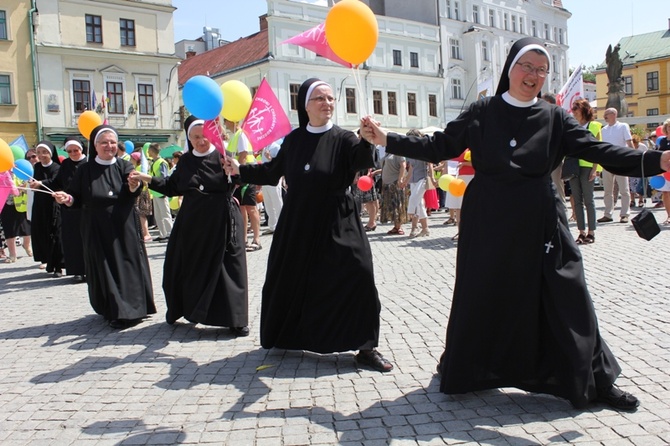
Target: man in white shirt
x=617 y=133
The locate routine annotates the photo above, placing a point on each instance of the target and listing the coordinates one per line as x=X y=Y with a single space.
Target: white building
x=116 y=54
x=430 y=60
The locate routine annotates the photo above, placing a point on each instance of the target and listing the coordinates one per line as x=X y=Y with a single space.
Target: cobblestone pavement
x=67 y=378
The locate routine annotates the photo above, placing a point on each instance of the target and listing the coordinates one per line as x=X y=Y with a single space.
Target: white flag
x=572 y=90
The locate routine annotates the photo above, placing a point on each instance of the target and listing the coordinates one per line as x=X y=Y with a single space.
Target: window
x=414 y=60
x=4 y=35
x=492 y=18
x=455 y=48
x=392 y=103
x=5 y=89
x=457 y=12
x=514 y=23
x=456 y=89
x=522 y=26
x=127 y=32
x=485 y=50
x=432 y=105
x=561 y=38
x=533 y=28
x=115 y=98
x=555 y=34
x=93 y=28
x=377 y=102
x=411 y=104
x=293 y=92
x=351 y=99
x=628 y=84
x=448 y=9
x=145 y=94
x=475 y=13
x=554 y=65
x=81 y=93
x=652 y=81
x=652 y=112
x=506 y=21
x=397 y=58
x=547 y=33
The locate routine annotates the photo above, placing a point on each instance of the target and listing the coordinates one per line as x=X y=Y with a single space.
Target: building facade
x=114 y=57
x=17 y=98
x=646 y=76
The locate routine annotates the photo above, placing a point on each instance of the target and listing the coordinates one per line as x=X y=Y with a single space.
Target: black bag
x=570 y=168
x=645 y=223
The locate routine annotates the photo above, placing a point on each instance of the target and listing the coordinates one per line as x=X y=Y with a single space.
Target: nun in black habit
x=521 y=314
x=319 y=293
x=117 y=268
x=73 y=248
x=46 y=217
x=205 y=270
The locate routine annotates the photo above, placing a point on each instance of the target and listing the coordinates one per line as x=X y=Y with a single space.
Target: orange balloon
x=6 y=156
x=457 y=187
x=352 y=31
x=259 y=197
x=87 y=122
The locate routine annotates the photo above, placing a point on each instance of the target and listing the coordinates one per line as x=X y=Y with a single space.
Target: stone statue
x=615 y=94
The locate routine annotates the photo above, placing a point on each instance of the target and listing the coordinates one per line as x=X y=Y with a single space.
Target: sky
x=591 y=28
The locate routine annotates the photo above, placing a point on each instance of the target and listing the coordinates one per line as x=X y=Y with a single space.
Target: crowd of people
x=91 y=220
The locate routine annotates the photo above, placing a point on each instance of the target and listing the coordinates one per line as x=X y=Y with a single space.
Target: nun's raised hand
x=372 y=131
x=62 y=198
x=231 y=166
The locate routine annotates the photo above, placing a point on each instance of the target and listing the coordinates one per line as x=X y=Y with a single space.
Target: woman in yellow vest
x=14 y=222
x=582 y=185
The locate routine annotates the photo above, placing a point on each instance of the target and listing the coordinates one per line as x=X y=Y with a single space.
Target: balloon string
x=31 y=177
x=363 y=96
x=223 y=146
x=27 y=188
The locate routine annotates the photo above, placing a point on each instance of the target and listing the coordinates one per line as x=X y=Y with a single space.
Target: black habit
x=521 y=314
x=46 y=222
x=205 y=270
x=73 y=248
x=117 y=268
x=319 y=292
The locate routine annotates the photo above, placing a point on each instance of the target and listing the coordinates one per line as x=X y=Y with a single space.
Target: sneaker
x=413 y=233
x=623 y=219
x=604 y=219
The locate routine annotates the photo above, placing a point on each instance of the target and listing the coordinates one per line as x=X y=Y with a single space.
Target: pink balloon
x=365 y=183
x=659 y=131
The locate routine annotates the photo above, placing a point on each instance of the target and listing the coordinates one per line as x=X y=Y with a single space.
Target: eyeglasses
x=528 y=68
x=32 y=157
x=72 y=150
x=322 y=99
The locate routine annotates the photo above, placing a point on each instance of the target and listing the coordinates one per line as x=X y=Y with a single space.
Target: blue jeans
x=582 y=191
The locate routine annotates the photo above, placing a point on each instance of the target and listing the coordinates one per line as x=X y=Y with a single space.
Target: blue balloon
x=129 y=147
x=657 y=182
x=203 y=97
x=23 y=170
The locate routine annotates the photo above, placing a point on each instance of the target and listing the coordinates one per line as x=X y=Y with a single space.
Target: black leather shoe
x=617 y=398
x=240 y=331
x=374 y=359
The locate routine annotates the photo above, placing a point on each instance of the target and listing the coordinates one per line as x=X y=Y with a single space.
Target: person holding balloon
x=45 y=225
x=117 y=268
x=13 y=215
x=73 y=249
x=205 y=270
x=521 y=314
x=319 y=293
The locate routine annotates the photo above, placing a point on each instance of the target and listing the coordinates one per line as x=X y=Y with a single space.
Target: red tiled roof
x=241 y=52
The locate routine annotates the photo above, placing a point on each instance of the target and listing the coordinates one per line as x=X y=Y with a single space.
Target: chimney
x=190 y=54
x=263 y=21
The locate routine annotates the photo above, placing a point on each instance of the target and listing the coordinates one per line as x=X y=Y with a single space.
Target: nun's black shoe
x=240 y=331
x=124 y=323
x=617 y=398
x=374 y=359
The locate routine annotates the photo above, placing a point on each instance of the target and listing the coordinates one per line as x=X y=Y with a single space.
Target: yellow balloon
x=174 y=203
x=6 y=157
x=236 y=100
x=444 y=181
x=87 y=122
x=352 y=31
x=467 y=156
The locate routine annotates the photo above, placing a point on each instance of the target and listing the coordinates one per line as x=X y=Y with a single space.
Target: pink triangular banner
x=314 y=39
x=266 y=121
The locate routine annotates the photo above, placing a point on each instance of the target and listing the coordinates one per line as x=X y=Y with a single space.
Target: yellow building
x=646 y=76
x=17 y=92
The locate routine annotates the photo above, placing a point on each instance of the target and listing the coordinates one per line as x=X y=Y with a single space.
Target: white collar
x=517 y=103
x=105 y=162
x=320 y=129
x=47 y=165
x=200 y=155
